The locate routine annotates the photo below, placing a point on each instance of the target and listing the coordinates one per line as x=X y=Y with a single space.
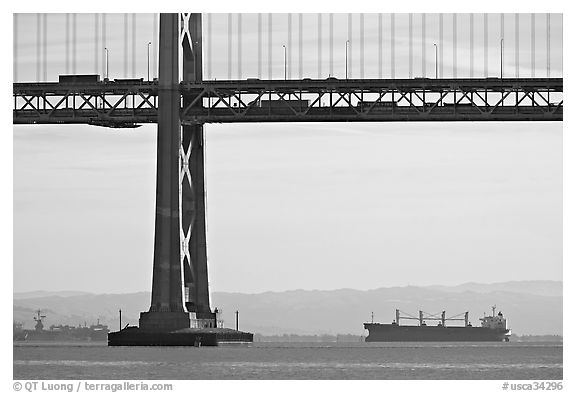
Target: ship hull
x=394 y=333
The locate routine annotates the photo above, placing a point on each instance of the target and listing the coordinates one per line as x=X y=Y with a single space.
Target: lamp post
x=501 y=57
x=284 y=46
x=148 y=63
x=106 y=53
x=436 y=59
x=346 y=63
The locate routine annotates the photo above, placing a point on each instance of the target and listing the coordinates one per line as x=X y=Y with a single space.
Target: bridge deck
x=126 y=104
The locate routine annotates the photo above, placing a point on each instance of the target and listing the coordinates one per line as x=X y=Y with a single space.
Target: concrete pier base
x=164 y=321
x=134 y=336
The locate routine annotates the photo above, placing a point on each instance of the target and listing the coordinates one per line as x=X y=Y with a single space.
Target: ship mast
x=38 y=319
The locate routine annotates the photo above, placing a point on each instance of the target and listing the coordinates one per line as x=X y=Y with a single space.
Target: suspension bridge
x=314 y=73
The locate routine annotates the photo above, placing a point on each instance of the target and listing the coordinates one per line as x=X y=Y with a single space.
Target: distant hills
x=531 y=307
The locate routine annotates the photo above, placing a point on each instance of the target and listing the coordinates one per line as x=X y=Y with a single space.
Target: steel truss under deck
x=115 y=104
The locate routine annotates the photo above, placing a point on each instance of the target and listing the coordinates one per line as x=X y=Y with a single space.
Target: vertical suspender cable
x=96 y=43
x=502 y=43
x=15 y=49
x=424 y=45
x=67 y=42
x=259 y=45
x=379 y=46
x=485 y=26
x=392 y=48
x=45 y=47
x=410 y=47
x=319 y=46
x=289 y=47
x=155 y=39
x=361 y=46
x=349 y=65
x=517 y=43
x=38 y=45
x=454 y=45
x=300 y=47
x=239 y=46
x=440 y=43
x=471 y=45
x=74 y=43
x=125 y=45
x=547 y=45
x=229 y=46
x=104 y=43
x=533 y=43
x=331 y=36
x=133 y=45
x=209 y=46
x=269 y=46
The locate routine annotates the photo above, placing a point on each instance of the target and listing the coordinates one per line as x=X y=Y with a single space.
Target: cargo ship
x=60 y=333
x=492 y=328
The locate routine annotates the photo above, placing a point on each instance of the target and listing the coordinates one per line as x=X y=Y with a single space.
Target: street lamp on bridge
x=284 y=46
x=106 y=71
x=148 y=63
x=346 y=61
x=501 y=57
x=436 y=58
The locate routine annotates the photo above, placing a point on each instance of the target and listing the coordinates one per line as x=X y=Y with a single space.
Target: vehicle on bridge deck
x=460 y=105
x=366 y=106
x=282 y=104
x=79 y=78
x=129 y=80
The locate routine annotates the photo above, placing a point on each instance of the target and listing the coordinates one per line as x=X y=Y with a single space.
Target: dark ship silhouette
x=493 y=328
x=97 y=332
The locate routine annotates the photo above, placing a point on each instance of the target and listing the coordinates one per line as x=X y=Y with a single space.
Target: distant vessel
x=493 y=328
x=96 y=332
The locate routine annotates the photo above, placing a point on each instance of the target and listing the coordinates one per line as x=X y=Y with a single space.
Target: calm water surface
x=292 y=361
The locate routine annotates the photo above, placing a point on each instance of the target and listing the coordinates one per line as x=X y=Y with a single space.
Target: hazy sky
x=313 y=206
x=128 y=56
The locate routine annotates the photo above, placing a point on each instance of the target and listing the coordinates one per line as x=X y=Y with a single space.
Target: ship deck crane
x=430 y=317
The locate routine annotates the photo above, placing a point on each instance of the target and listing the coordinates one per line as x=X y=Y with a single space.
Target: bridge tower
x=180 y=296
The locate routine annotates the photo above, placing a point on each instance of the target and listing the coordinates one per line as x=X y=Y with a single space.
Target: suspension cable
x=410 y=47
x=269 y=46
x=454 y=45
x=15 y=49
x=331 y=36
x=379 y=46
x=319 y=46
x=517 y=43
x=361 y=46
x=239 y=46
x=74 y=32
x=45 y=47
x=96 y=43
x=289 y=48
x=485 y=26
x=471 y=45
x=423 y=45
x=548 y=45
x=533 y=44
x=259 y=45
x=229 y=46
x=300 y=46
x=125 y=45
x=133 y=45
